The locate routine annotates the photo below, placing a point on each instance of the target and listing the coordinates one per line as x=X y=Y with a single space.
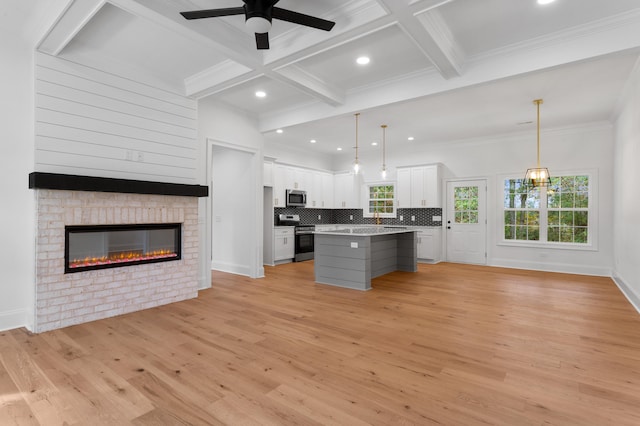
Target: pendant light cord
x=357 y=115
x=384 y=128
x=538 y=102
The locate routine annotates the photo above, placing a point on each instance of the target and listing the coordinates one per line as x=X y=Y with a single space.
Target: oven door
x=304 y=243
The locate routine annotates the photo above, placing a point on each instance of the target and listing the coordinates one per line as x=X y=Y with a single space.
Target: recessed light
x=260 y=94
x=312 y=141
x=363 y=60
x=279 y=131
x=339 y=149
x=545 y=1
x=410 y=138
x=374 y=143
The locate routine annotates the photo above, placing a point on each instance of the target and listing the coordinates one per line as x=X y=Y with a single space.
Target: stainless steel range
x=304 y=238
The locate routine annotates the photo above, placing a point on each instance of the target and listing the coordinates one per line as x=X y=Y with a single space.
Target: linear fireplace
x=103 y=218
x=112 y=246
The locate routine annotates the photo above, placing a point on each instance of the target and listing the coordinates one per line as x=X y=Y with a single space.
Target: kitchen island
x=351 y=257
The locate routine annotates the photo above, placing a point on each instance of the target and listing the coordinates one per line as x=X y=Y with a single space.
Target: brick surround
x=65 y=299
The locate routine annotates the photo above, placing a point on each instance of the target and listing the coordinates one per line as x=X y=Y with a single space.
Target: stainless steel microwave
x=296 y=198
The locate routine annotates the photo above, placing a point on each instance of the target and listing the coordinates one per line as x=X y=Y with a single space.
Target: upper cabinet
x=346 y=190
x=403 y=190
x=419 y=186
x=317 y=184
x=320 y=192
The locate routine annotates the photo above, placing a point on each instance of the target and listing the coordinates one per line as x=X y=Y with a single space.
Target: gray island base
x=352 y=257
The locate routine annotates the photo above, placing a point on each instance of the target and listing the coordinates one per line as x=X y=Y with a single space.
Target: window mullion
x=544 y=216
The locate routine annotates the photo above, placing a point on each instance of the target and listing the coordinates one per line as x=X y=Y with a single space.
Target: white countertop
x=367 y=231
x=347 y=225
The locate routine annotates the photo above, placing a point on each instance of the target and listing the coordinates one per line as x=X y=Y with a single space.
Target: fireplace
x=151 y=228
x=111 y=246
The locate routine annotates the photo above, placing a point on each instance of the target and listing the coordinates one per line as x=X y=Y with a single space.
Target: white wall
x=17 y=202
x=90 y=122
x=586 y=147
x=236 y=132
x=289 y=155
x=626 y=202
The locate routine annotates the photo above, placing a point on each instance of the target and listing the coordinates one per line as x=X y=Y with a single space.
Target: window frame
x=365 y=209
x=592 y=225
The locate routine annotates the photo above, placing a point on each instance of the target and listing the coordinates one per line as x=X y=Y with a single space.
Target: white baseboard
x=628 y=292
x=232 y=268
x=566 y=268
x=204 y=282
x=13 y=319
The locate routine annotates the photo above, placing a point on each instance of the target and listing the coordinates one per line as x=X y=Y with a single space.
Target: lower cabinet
x=429 y=244
x=284 y=243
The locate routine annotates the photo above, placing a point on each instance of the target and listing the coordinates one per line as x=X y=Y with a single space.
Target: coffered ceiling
x=440 y=69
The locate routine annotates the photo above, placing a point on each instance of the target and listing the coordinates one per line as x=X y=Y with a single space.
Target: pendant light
x=539 y=176
x=384 y=143
x=356 y=164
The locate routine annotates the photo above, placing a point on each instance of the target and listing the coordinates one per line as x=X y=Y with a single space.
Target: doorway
x=234 y=222
x=466 y=227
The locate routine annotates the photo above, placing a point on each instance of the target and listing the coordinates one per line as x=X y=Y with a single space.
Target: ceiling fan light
x=258 y=25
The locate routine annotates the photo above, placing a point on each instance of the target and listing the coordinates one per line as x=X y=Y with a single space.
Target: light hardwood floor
x=451 y=344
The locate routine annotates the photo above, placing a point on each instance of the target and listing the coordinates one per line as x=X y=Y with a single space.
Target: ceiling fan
x=258 y=15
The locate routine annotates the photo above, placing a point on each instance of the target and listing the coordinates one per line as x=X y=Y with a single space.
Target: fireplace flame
x=122 y=257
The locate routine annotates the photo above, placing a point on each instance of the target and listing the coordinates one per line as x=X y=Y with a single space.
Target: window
x=560 y=214
x=466 y=204
x=381 y=200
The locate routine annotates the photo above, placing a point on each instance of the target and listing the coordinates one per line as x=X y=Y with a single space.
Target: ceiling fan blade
x=302 y=19
x=212 y=13
x=262 y=41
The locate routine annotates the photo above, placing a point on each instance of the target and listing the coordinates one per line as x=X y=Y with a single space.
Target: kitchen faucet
x=376 y=217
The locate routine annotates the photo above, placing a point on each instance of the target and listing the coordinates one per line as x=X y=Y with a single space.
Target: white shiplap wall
x=89 y=122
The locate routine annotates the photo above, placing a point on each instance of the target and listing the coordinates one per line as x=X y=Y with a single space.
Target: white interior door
x=467 y=221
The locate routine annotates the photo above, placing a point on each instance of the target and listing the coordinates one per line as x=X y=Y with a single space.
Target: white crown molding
x=520 y=135
x=629 y=19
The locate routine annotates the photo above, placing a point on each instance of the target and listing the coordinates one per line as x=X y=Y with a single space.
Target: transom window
x=560 y=214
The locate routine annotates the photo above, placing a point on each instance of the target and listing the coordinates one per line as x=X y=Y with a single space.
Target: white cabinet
x=284 y=243
x=279 y=186
x=320 y=194
x=317 y=184
x=429 y=244
x=419 y=186
x=403 y=188
x=346 y=192
x=327 y=191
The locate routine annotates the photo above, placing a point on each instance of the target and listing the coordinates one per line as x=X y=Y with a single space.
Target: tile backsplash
x=423 y=217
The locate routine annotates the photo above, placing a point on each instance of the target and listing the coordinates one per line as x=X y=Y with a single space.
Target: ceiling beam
x=309 y=84
x=74 y=17
x=218 y=78
x=424 y=25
